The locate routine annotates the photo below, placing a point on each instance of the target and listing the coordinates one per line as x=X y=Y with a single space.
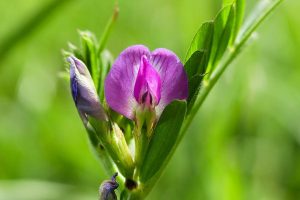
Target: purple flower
x=143 y=78
x=84 y=91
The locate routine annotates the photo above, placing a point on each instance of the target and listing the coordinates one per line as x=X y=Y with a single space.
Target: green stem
x=145 y=119
x=141 y=141
x=108 y=29
x=103 y=70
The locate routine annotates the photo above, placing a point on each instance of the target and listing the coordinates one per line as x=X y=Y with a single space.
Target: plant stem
x=108 y=29
x=141 y=145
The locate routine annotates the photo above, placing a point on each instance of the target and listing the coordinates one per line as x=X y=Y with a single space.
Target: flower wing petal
x=173 y=77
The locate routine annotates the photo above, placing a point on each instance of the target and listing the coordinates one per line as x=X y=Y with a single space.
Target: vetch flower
x=84 y=91
x=140 y=78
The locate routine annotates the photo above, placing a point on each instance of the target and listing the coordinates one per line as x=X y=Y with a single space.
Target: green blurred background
x=243 y=144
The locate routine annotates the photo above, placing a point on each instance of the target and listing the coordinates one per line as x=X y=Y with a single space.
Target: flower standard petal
x=173 y=77
x=120 y=81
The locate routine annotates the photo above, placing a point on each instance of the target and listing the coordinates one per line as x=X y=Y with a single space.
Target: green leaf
x=194 y=87
x=223 y=26
x=202 y=40
x=263 y=9
x=164 y=138
x=195 y=68
x=193 y=65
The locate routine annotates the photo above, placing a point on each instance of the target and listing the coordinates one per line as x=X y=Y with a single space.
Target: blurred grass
x=244 y=144
x=28 y=27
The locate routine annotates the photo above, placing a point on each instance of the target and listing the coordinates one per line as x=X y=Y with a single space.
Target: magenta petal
x=147 y=85
x=120 y=81
x=173 y=77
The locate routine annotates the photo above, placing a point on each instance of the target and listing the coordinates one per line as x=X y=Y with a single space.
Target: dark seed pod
x=107 y=189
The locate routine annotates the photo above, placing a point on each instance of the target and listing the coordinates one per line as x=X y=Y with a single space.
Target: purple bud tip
x=78 y=65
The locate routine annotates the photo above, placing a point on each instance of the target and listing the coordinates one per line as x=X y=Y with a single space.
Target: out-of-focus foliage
x=243 y=144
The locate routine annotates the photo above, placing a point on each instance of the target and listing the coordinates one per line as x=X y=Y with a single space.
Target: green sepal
x=163 y=140
x=113 y=140
x=99 y=150
x=90 y=56
x=75 y=51
x=72 y=51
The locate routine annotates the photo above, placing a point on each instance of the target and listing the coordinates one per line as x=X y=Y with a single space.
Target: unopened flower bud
x=107 y=189
x=83 y=91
